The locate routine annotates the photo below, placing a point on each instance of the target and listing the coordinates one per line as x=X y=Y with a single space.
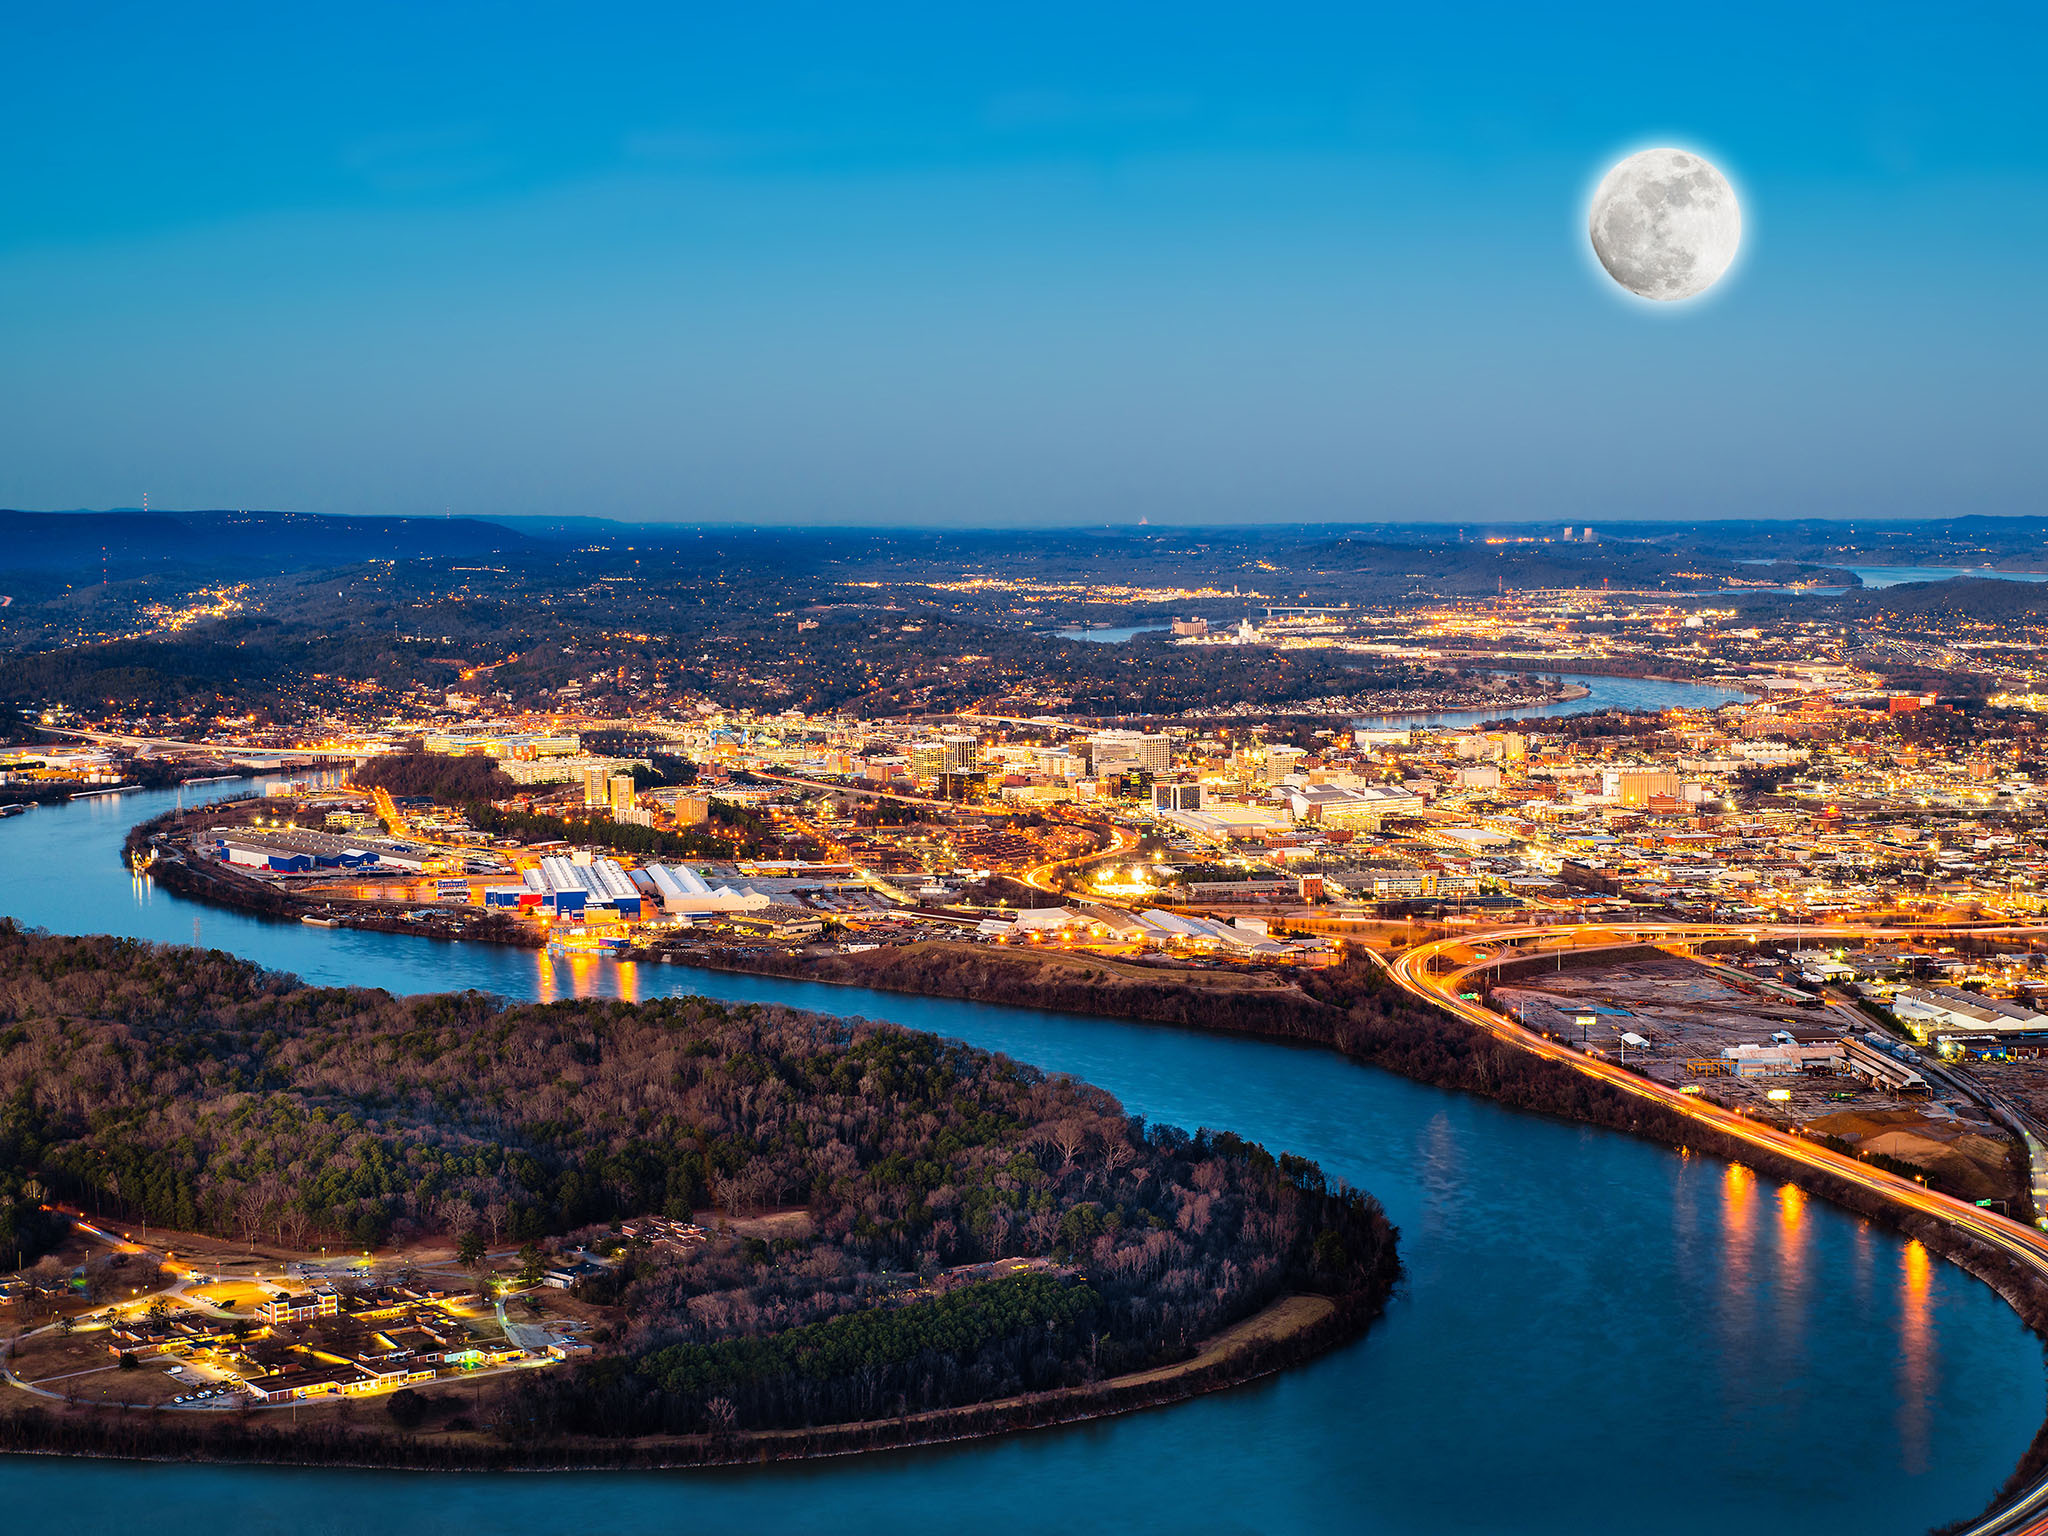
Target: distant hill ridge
x=38 y=541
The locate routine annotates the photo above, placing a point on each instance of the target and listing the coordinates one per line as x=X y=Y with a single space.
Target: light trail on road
x=1039 y=878
x=2026 y=1514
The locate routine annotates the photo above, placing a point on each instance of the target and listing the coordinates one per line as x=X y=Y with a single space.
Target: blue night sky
x=1065 y=264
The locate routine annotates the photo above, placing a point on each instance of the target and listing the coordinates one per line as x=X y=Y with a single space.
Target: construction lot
x=1689 y=1011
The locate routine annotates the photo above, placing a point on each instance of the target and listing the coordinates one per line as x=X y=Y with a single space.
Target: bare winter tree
x=252 y=1201
x=1068 y=1138
x=274 y=1189
x=464 y=1121
x=730 y=1193
x=723 y=1416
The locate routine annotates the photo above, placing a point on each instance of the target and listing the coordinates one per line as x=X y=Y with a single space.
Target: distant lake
x=1602 y=692
x=1881 y=576
x=1878 y=577
x=1111 y=636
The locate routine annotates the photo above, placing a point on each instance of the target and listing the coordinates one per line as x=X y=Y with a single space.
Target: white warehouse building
x=681 y=890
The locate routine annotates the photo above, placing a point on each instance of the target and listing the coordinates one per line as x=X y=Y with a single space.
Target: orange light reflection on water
x=1791 y=1207
x=1738 y=1298
x=1916 y=1358
x=1738 y=1198
x=1792 y=1230
x=1684 y=1206
x=1863 y=1267
x=1794 y=1234
x=560 y=976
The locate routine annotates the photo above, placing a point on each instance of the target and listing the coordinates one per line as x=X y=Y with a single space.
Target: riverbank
x=1518 y=1229
x=1288 y=1332
x=1249 y=1002
x=1159 y=1263
x=1358 y=1011
x=1514 y=706
x=1257 y=1003
x=182 y=873
x=1354 y=1010
x=1269 y=1005
x=1592 y=666
x=54 y=792
x=63 y=792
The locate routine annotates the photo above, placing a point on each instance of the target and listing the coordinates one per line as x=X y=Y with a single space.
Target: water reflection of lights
x=559 y=976
x=1791 y=1208
x=1860 y=1270
x=1916 y=1357
x=1437 y=1158
x=1738 y=1187
x=1684 y=1207
x=628 y=973
x=1737 y=1298
x=1793 y=1236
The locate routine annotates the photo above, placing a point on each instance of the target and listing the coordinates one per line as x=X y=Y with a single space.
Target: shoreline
x=1297 y=1019
x=1246 y=1351
x=1571 y=693
x=1289 y=1013
x=1593 y=666
x=1289 y=1329
x=180 y=875
x=2021 y=1288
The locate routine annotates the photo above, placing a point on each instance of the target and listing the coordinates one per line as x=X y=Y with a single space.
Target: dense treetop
x=197 y=1090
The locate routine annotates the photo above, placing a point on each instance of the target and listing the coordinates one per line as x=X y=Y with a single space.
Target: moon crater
x=1665 y=224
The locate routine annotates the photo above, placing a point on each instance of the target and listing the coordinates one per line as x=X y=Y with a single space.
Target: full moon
x=1665 y=224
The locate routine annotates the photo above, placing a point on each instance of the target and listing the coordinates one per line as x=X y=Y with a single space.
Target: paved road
x=1041 y=877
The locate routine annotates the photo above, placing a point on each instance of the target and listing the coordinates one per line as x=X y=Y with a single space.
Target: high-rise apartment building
x=1112 y=752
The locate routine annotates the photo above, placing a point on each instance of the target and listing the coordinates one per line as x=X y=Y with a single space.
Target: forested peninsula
x=1354 y=1008
x=193 y=1090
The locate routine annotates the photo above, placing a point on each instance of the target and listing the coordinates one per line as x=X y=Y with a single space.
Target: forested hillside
x=191 y=1088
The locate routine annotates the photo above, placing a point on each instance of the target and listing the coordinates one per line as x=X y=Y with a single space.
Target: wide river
x=1595 y=1335
x=1602 y=692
